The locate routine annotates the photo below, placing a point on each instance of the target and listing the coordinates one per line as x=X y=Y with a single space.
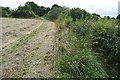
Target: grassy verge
x=82 y=47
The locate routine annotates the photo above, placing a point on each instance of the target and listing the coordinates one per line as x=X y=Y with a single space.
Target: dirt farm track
x=27 y=48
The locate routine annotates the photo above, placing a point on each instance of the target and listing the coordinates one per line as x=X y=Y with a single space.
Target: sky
x=101 y=7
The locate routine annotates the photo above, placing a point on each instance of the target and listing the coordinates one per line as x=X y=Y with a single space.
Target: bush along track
x=87 y=48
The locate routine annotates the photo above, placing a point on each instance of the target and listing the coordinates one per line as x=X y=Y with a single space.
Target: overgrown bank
x=88 y=47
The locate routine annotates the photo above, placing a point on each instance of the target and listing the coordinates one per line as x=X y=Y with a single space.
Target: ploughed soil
x=28 y=48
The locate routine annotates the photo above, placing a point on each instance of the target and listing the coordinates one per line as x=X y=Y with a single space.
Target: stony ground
x=27 y=48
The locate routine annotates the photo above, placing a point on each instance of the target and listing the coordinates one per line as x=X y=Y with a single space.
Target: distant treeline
x=29 y=10
x=32 y=10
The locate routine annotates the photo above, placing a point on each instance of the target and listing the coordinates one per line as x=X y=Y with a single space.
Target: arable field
x=27 y=48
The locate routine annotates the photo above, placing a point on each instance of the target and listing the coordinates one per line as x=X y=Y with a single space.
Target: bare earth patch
x=28 y=48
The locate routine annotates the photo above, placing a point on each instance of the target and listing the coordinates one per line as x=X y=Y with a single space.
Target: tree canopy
x=38 y=10
x=31 y=9
x=118 y=17
x=23 y=12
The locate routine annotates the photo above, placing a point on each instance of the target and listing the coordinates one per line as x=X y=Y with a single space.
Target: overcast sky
x=102 y=7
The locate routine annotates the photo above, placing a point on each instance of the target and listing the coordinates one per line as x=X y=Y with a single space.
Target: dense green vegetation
x=90 y=48
x=118 y=17
x=54 y=12
x=23 y=12
x=5 y=11
x=29 y=10
x=87 y=44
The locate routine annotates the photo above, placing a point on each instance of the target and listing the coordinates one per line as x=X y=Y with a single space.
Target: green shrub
x=77 y=13
x=108 y=43
x=96 y=41
x=54 y=13
x=3 y=12
x=82 y=65
x=67 y=20
x=23 y=12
